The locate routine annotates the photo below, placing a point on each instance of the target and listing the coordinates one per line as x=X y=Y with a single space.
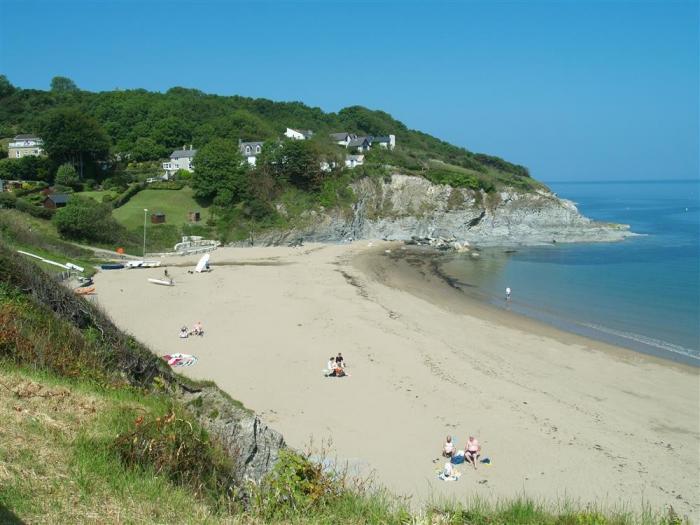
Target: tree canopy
x=219 y=173
x=85 y=219
x=63 y=85
x=70 y=136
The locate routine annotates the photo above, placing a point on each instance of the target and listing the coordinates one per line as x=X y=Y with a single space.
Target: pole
x=145 y=211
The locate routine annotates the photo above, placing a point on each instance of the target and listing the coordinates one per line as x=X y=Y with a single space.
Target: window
x=247 y=149
x=17 y=154
x=257 y=149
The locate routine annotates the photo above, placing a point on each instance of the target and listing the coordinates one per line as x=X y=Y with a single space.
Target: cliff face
x=408 y=206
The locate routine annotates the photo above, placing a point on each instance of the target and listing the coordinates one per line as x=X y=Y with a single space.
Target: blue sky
x=591 y=90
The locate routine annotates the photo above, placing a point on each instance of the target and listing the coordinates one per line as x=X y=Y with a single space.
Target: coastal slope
x=402 y=206
x=560 y=416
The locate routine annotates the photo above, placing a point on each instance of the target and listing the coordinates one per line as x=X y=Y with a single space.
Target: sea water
x=642 y=293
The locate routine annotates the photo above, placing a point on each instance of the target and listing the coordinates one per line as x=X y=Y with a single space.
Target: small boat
x=112 y=266
x=85 y=290
x=203 y=264
x=162 y=282
x=143 y=264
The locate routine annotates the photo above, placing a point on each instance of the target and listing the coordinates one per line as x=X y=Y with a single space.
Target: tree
x=26 y=168
x=6 y=87
x=147 y=149
x=63 y=85
x=70 y=136
x=219 y=173
x=66 y=176
x=85 y=219
x=293 y=161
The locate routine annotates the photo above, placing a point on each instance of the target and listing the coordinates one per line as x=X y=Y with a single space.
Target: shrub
x=7 y=200
x=35 y=211
x=86 y=219
x=125 y=197
x=174 y=447
x=67 y=176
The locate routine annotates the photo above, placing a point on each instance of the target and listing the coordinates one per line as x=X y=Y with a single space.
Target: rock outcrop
x=405 y=206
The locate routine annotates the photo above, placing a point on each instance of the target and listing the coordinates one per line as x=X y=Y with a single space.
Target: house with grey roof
x=298 y=134
x=180 y=159
x=360 y=143
x=342 y=138
x=250 y=150
x=25 y=145
x=386 y=141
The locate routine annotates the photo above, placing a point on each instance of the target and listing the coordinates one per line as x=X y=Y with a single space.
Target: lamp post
x=145 y=211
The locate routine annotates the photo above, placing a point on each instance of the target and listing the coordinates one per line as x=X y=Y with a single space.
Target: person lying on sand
x=472 y=451
x=448 y=449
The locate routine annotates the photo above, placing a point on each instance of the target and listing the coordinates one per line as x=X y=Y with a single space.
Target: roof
x=340 y=136
x=59 y=198
x=183 y=153
x=306 y=132
x=242 y=146
x=383 y=138
x=26 y=137
x=357 y=142
x=356 y=158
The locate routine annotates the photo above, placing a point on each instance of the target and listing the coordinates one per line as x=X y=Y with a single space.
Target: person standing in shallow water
x=508 y=293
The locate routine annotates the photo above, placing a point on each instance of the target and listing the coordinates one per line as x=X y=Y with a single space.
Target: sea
x=642 y=293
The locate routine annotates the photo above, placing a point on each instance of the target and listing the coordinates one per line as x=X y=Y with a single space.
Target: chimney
x=190 y=147
x=184 y=147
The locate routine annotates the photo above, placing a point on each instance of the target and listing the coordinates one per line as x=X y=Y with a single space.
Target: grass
x=175 y=204
x=97 y=195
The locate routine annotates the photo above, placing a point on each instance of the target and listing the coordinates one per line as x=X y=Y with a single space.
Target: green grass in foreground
x=174 y=203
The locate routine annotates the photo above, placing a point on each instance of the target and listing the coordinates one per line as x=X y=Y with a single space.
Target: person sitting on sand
x=339 y=360
x=472 y=451
x=339 y=371
x=331 y=367
x=197 y=329
x=184 y=333
x=448 y=450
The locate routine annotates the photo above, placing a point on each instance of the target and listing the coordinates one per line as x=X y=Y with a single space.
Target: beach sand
x=560 y=416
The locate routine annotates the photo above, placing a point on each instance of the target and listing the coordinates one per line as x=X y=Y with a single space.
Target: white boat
x=202 y=264
x=162 y=282
x=142 y=264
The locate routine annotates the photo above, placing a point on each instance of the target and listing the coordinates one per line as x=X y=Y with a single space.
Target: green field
x=174 y=203
x=97 y=195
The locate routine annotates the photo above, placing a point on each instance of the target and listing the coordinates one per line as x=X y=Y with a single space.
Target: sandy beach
x=560 y=416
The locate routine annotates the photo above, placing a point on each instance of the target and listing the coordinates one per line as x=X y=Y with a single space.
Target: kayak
x=112 y=266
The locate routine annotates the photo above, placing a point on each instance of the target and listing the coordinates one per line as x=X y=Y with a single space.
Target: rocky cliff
x=405 y=206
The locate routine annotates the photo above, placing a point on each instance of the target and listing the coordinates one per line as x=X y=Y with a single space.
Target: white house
x=250 y=150
x=180 y=159
x=354 y=160
x=298 y=134
x=25 y=146
x=387 y=141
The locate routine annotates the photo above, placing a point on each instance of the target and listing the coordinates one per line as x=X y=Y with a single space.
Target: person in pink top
x=472 y=451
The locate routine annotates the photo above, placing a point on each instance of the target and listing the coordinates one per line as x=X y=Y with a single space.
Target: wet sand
x=561 y=416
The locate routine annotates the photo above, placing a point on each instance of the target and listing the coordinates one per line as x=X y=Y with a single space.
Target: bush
x=125 y=197
x=35 y=211
x=7 y=200
x=173 y=447
x=107 y=198
x=85 y=219
x=167 y=185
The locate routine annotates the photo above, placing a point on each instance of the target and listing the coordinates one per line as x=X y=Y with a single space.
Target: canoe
x=161 y=282
x=142 y=264
x=112 y=266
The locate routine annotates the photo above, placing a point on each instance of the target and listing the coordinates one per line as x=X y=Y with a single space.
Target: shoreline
x=590 y=416
x=442 y=290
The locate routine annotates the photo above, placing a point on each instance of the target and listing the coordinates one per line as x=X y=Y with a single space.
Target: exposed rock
x=407 y=206
x=251 y=443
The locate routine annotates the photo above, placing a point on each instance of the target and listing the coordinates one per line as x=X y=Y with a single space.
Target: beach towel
x=454 y=477
x=180 y=359
x=458 y=458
